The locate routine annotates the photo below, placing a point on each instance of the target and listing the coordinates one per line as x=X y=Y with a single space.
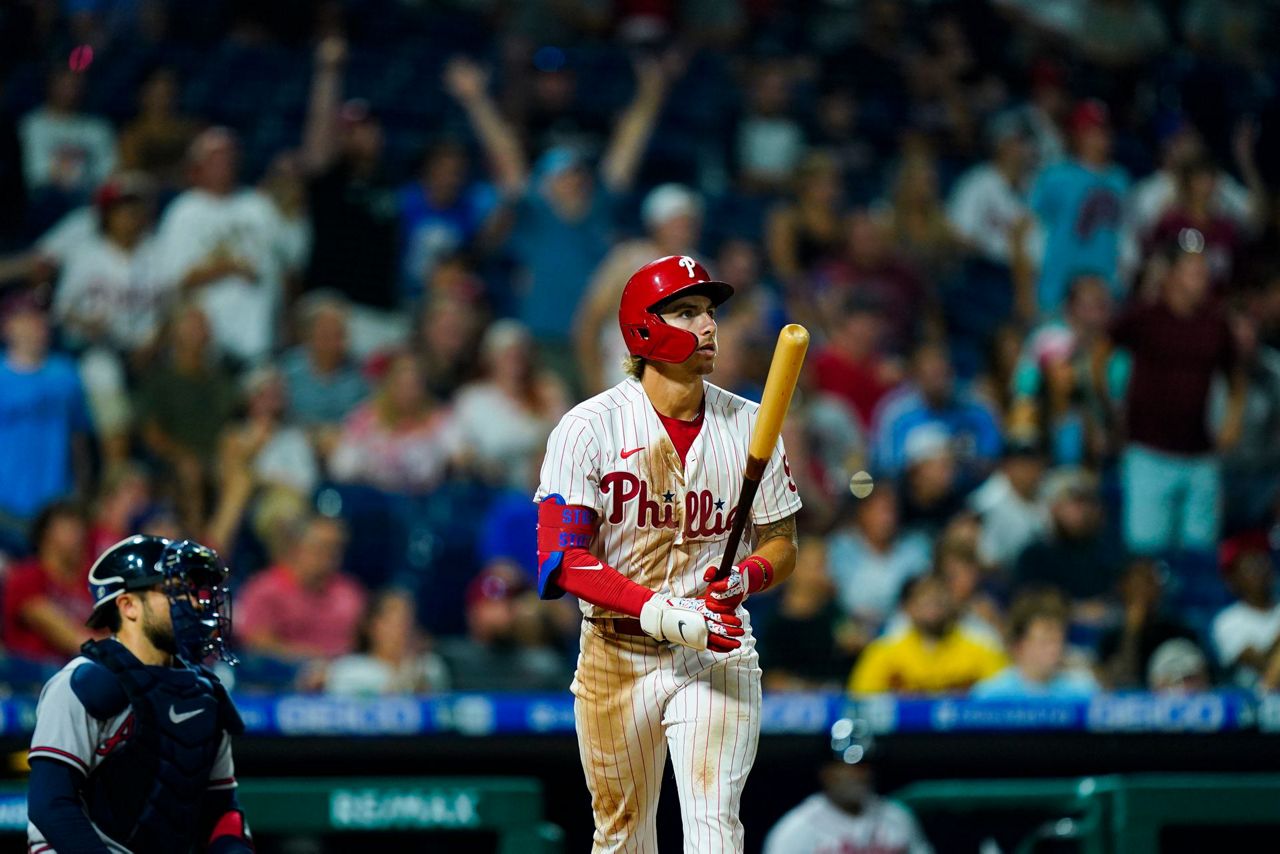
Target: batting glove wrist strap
x=758 y=573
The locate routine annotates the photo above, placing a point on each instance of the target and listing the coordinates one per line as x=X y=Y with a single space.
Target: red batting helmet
x=646 y=333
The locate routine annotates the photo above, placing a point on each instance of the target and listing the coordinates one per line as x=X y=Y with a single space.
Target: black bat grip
x=740 y=516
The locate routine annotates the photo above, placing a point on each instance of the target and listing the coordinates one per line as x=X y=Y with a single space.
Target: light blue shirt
x=40 y=411
x=1010 y=684
x=1080 y=211
x=975 y=435
x=558 y=258
x=868 y=581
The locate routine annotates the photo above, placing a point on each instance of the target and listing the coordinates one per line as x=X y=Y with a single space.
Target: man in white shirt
x=847 y=816
x=1154 y=194
x=1247 y=633
x=1008 y=505
x=223 y=243
x=63 y=150
x=109 y=292
x=988 y=207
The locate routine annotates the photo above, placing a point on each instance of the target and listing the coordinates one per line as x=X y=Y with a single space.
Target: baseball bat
x=784 y=370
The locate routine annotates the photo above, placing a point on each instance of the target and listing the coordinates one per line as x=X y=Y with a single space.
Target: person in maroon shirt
x=851 y=366
x=1171 y=477
x=1195 y=209
x=872 y=270
x=46 y=600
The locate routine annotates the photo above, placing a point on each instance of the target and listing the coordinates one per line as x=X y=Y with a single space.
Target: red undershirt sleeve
x=592 y=580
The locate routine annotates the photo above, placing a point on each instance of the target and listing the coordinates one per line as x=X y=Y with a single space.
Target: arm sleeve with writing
x=778 y=497
x=571 y=467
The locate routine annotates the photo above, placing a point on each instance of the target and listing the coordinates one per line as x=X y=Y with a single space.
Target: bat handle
x=745 y=498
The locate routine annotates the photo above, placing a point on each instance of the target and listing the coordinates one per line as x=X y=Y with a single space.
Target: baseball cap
x=1088 y=115
x=494 y=585
x=558 y=160
x=1006 y=125
x=123 y=187
x=502 y=334
x=1052 y=344
x=1174 y=660
x=1239 y=545
x=926 y=442
x=1069 y=482
x=668 y=201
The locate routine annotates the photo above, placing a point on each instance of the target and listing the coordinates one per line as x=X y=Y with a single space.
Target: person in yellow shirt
x=933 y=656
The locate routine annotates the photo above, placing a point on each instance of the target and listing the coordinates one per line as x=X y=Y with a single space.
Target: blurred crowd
x=312 y=281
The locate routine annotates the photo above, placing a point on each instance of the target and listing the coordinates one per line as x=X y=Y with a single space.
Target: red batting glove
x=724 y=595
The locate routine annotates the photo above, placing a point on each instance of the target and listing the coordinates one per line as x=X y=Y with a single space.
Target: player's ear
x=130 y=607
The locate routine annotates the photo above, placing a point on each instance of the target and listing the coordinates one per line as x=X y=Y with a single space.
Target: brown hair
x=1045 y=603
x=633 y=366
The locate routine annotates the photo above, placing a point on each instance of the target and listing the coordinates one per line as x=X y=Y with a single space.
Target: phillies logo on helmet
x=704 y=514
x=646 y=334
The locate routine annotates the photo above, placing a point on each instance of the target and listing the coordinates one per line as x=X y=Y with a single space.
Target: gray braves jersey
x=66 y=732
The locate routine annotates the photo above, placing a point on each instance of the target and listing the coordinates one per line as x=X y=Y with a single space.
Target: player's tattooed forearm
x=781 y=528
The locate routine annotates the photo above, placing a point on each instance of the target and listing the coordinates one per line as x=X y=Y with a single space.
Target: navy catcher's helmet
x=131 y=564
x=190 y=575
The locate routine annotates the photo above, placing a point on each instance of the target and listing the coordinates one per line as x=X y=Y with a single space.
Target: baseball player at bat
x=636 y=503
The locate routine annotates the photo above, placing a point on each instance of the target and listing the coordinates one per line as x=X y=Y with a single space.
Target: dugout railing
x=1112 y=814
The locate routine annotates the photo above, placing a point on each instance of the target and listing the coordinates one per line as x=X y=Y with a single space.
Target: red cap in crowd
x=1240 y=545
x=1089 y=115
x=495 y=585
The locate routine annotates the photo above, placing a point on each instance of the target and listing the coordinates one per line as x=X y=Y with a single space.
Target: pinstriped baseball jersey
x=637 y=701
x=661 y=524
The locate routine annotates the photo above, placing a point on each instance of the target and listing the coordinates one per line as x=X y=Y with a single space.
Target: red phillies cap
x=494 y=585
x=1240 y=545
x=1089 y=114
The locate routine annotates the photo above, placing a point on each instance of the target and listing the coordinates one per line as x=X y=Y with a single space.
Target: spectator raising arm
x=467 y=82
x=319 y=137
x=1244 y=142
x=635 y=126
